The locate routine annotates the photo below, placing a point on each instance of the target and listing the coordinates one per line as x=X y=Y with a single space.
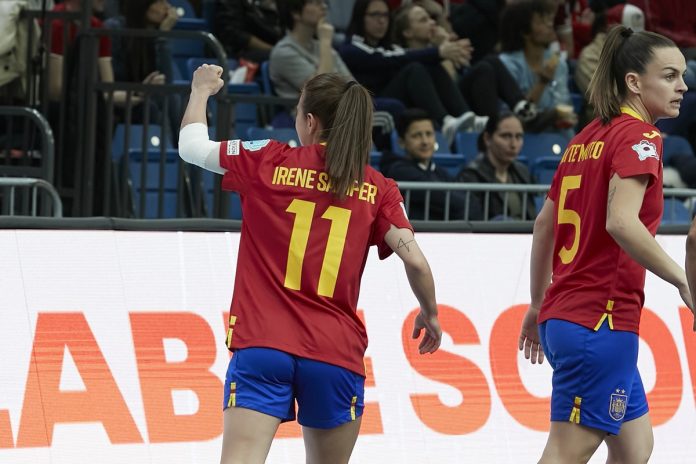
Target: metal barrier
x=28 y=205
x=680 y=204
x=528 y=190
x=19 y=154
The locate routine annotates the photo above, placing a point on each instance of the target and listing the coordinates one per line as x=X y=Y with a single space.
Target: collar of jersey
x=631 y=112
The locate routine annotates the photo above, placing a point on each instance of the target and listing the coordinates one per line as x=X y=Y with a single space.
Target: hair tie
x=626 y=33
x=349 y=84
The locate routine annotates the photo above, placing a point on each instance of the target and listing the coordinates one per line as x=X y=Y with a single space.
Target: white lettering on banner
x=150 y=288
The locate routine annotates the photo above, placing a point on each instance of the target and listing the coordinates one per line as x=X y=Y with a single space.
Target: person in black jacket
x=417 y=138
x=499 y=146
x=247 y=28
x=415 y=77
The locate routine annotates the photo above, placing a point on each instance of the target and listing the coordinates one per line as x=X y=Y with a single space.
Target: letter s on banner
x=453 y=370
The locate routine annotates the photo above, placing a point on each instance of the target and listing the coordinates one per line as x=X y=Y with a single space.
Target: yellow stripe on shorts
x=233 y=395
x=575 y=413
x=352 y=407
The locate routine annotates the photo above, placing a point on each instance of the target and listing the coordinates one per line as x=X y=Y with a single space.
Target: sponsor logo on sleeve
x=232 y=147
x=255 y=145
x=651 y=135
x=646 y=150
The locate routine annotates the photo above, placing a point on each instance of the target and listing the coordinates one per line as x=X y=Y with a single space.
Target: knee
x=415 y=70
x=483 y=70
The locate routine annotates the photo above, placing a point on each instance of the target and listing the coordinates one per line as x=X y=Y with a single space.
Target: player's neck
x=637 y=109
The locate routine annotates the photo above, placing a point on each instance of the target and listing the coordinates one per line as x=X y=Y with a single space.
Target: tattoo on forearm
x=610 y=199
x=403 y=244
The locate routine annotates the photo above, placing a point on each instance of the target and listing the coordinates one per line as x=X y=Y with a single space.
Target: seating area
x=150 y=181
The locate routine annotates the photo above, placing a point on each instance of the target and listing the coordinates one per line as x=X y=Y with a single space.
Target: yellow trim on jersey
x=233 y=321
x=233 y=395
x=352 y=407
x=606 y=316
x=632 y=112
x=575 y=413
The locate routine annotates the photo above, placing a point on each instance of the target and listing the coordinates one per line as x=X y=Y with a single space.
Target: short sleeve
x=241 y=160
x=104 y=41
x=638 y=151
x=391 y=212
x=57 y=37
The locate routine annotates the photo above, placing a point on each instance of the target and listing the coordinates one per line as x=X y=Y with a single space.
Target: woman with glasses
x=413 y=76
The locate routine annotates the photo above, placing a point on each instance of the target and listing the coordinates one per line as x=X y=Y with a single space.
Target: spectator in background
x=247 y=28
x=628 y=15
x=59 y=49
x=339 y=15
x=299 y=56
x=144 y=59
x=417 y=138
x=413 y=76
x=478 y=20
x=541 y=72
x=483 y=85
x=499 y=146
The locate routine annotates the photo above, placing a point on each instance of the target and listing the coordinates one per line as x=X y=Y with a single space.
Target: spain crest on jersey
x=617 y=404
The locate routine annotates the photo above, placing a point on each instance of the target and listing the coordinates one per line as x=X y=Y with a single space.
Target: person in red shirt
x=311 y=214
x=593 y=240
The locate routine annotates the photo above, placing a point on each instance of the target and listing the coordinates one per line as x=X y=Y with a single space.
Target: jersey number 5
x=304 y=215
x=569 y=216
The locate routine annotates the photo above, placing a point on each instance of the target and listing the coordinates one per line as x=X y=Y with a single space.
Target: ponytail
x=624 y=51
x=345 y=111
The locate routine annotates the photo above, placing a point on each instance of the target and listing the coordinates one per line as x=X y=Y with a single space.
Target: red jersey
x=594 y=280
x=58 y=26
x=302 y=252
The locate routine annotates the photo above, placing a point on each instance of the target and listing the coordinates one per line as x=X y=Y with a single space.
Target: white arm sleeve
x=196 y=148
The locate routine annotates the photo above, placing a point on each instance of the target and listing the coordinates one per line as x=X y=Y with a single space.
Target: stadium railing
x=22 y=196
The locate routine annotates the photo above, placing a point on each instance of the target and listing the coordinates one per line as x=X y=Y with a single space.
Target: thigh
x=327 y=396
x=570 y=443
x=261 y=379
x=399 y=85
x=247 y=436
x=331 y=445
x=633 y=444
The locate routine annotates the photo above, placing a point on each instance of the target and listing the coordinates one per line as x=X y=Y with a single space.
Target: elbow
x=617 y=227
x=417 y=266
x=691 y=239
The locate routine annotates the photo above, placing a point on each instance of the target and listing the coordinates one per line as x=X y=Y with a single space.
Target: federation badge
x=255 y=145
x=617 y=404
x=646 y=150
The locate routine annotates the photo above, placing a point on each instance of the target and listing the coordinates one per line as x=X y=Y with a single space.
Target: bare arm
x=420 y=278
x=55 y=74
x=542 y=254
x=325 y=33
x=691 y=263
x=194 y=145
x=205 y=83
x=623 y=224
x=541 y=265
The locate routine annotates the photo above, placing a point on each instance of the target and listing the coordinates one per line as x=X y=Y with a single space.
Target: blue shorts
x=595 y=375
x=270 y=381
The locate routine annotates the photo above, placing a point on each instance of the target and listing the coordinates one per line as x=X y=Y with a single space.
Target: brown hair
x=345 y=110
x=624 y=51
x=402 y=22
